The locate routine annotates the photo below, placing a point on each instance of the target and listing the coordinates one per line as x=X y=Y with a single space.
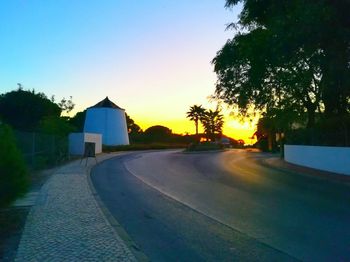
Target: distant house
x=108 y=119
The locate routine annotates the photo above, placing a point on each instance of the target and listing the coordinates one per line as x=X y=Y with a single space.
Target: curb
x=306 y=171
x=119 y=230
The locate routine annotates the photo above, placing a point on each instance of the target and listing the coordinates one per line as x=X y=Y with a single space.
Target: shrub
x=14 y=178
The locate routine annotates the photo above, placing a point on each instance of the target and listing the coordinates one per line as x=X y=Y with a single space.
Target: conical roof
x=106 y=103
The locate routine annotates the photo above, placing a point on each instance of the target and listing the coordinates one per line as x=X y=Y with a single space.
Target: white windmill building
x=108 y=119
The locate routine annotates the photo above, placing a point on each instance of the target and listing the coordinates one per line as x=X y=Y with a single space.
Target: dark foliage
x=133 y=128
x=24 y=110
x=157 y=134
x=195 y=114
x=290 y=60
x=58 y=126
x=13 y=174
x=327 y=132
x=78 y=121
x=288 y=55
x=212 y=122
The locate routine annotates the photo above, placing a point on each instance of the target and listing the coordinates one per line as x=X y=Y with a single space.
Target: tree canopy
x=24 y=110
x=158 y=131
x=292 y=56
x=213 y=122
x=195 y=114
x=133 y=128
x=66 y=105
x=78 y=121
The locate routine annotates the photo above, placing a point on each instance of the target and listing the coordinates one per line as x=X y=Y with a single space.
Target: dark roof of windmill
x=106 y=103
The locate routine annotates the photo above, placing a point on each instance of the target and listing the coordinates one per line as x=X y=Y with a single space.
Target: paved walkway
x=66 y=224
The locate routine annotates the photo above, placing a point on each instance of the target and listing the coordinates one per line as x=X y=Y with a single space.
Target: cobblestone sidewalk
x=66 y=224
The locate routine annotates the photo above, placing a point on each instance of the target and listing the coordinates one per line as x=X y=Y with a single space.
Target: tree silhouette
x=195 y=114
x=23 y=110
x=66 y=105
x=157 y=133
x=213 y=122
x=133 y=128
x=78 y=121
x=287 y=54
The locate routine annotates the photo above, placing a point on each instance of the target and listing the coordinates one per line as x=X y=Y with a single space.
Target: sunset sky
x=150 y=57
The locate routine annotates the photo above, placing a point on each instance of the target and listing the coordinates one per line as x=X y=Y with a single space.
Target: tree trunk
x=311 y=108
x=311 y=118
x=271 y=140
x=334 y=80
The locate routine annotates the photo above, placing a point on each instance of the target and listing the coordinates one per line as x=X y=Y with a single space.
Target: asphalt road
x=224 y=206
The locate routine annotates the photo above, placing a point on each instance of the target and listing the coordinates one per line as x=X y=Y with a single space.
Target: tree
x=157 y=134
x=213 y=122
x=133 y=128
x=288 y=55
x=59 y=126
x=66 y=105
x=24 y=110
x=195 y=114
x=78 y=121
x=158 y=131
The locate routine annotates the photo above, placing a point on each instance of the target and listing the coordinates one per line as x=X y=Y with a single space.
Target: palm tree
x=213 y=122
x=195 y=114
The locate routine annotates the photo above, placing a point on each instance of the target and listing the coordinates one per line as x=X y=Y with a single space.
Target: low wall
x=77 y=140
x=332 y=159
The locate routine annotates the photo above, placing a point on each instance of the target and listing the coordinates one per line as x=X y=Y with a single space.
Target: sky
x=152 y=58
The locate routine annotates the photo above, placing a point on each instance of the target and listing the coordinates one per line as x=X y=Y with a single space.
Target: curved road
x=224 y=206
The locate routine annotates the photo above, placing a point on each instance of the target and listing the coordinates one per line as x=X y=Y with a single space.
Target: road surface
x=224 y=206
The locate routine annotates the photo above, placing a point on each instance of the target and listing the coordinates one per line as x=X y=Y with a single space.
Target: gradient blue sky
x=150 y=57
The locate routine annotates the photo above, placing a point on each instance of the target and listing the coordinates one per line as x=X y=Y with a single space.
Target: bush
x=333 y=131
x=14 y=178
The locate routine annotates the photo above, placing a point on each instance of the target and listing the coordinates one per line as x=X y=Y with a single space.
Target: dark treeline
x=37 y=123
x=290 y=62
x=28 y=111
x=31 y=111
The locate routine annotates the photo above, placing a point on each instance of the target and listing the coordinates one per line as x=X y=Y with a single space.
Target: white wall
x=109 y=122
x=77 y=140
x=332 y=159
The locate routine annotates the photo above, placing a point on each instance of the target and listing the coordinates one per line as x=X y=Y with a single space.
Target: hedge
x=14 y=178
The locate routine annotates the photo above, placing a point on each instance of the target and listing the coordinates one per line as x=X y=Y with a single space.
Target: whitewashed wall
x=332 y=159
x=77 y=140
x=109 y=122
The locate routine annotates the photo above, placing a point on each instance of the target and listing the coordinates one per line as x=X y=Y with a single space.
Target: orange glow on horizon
x=232 y=128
